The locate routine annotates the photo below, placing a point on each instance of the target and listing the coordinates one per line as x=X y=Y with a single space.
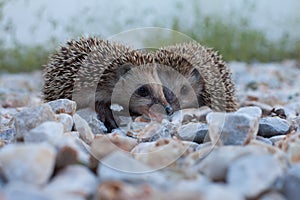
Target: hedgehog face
x=150 y=101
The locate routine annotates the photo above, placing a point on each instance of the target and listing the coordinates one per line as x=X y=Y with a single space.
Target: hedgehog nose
x=169 y=110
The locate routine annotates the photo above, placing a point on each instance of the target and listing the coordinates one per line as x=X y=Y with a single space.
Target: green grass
x=23 y=58
x=233 y=38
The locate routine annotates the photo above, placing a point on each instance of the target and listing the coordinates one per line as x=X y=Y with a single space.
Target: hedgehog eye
x=143 y=91
x=184 y=90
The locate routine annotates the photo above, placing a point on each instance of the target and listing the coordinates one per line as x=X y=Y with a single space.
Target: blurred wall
x=37 y=21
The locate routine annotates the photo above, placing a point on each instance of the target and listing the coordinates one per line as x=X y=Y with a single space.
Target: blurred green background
x=244 y=30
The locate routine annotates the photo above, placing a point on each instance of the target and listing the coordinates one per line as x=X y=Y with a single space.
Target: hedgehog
x=211 y=81
x=98 y=73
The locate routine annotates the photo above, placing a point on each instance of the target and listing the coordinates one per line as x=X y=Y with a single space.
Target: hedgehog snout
x=169 y=110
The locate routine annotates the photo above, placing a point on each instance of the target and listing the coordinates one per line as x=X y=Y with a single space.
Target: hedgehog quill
x=97 y=73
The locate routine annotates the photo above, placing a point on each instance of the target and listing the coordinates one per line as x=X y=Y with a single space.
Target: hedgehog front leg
x=105 y=115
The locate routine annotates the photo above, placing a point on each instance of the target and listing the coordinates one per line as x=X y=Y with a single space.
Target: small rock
x=7 y=135
x=14 y=100
x=66 y=156
x=272 y=126
x=220 y=191
x=252 y=175
x=16 y=190
x=160 y=153
x=83 y=128
x=293 y=152
x=31 y=117
x=272 y=196
x=66 y=120
x=63 y=106
x=193 y=132
x=74 y=179
x=231 y=128
x=45 y=132
x=215 y=164
x=265 y=140
x=279 y=111
x=295 y=123
x=30 y=163
x=103 y=145
x=90 y=116
x=265 y=108
x=120 y=190
x=291 y=183
x=276 y=138
x=191 y=114
x=252 y=111
x=122 y=166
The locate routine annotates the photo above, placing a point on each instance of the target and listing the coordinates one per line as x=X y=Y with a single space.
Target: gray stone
x=45 y=132
x=8 y=135
x=254 y=174
x=74 y=179
x=63 y=106
x=66 y=120
x=265 y=108
x=90 y=116
x=30 y=163
x=191 y=115
x=83 y=129
x=276 y=138
x=231 y=128
x=252 y=111
x=264 y=140
x=272 y=196
x=271 y=126
x=16 y=190
x=220 y=191
x=295 y=123
x=31 y=117
x=217 y=161
x=121 y=166
x=193 y=132
x=291 y=183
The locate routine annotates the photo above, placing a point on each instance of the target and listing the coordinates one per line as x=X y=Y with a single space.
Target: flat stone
x=231 y=128
x=254 y=174
x=30 y=163
x=46 y=132
x=291 y=183
x=74 y=179
x=63 y=106
x=83 y=129
x=90 y=116
x=272 y=126
x=193 y=132
x=66 y=120
x=31 y=117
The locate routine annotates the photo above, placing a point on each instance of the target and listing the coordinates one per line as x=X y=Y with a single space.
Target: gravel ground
x=53 y=151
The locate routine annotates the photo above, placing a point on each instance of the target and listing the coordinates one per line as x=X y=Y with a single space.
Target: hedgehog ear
x=123 y=69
